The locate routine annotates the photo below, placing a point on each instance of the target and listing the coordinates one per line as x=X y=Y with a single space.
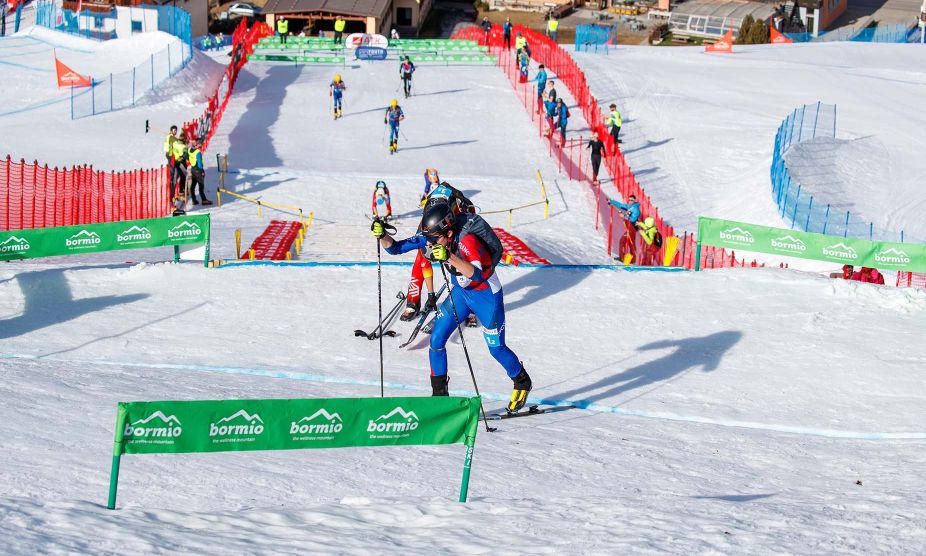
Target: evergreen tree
x=744 y=30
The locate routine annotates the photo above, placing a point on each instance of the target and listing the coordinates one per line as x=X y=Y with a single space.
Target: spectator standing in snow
x=614 y=123
x=551 y=90
x=541 y=80
x=562 y=118
x=631 y=214
x=597 y=147
x=339 y=24
x=486 y=28
x=283 y=29
x=179 y=150
x=506 y=32
x=198 y=173
x=552 y=26
x=169 y=154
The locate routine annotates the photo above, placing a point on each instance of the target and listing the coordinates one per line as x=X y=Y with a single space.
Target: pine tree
x=744 y=30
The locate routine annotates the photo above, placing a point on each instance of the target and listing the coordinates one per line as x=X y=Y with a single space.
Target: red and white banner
x=363 y=39
x=68 y=77
x=724 y=45
x=778 y=38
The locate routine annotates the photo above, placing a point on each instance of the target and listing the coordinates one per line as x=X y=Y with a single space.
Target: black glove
x=431 y=303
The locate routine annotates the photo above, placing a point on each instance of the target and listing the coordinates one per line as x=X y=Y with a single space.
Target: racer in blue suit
x=457 y=241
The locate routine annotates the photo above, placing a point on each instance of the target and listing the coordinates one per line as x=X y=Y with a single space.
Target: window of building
x=403 y=16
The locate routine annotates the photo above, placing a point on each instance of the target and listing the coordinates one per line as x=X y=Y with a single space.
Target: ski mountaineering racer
x=466 y=244
x=394 y=115
x=336 y=91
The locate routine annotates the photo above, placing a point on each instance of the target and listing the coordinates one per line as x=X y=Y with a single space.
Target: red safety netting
x=911 y=280
x=36 y=196
x=275 y=241
x=571 y=155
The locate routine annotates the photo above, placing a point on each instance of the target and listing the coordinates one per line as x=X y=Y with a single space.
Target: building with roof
x=361 y=16
x=713 y=18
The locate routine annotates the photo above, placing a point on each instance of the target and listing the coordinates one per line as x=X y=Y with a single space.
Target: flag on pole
x=68 y=77
x=724 y=45
x=778 y=38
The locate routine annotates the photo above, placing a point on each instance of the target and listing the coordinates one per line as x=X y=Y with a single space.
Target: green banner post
x=96 y=238
x=242 y=425
x=883 y=255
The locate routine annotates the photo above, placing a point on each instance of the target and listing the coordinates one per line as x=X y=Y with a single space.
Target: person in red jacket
x=877 y=277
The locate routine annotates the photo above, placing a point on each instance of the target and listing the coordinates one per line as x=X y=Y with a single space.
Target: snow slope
x=699 y=128
x=746 y=411
x=718 y=420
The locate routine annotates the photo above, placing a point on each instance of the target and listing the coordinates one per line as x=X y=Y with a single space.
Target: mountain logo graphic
x=14 y=245
x=738 y=235
x=397 y=420
x=185 y=230
x=320 y=422
x=83 y=240
x=238 y=424
x=840 y=251
x=156 y=425
x=892 y=256
x=135 y=234
x=789 y=243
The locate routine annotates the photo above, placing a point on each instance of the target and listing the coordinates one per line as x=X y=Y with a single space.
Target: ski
x=531 y=410
x=385 y=322
x=423 y=317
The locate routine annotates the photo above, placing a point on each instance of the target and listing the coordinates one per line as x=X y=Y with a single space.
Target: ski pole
x=404 y=138
x=453 y=306
x=382 y=141
x=379 y=288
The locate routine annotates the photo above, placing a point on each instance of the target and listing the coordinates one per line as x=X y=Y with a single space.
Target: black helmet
x=437 y=219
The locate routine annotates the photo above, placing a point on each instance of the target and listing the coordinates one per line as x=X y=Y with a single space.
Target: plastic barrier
x=276 y=241
x=36 y=196
x=516 y=251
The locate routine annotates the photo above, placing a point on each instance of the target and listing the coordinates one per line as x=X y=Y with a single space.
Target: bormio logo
x=135 y=234
x=840 y=251
x=184 y=230
x=83 y=240
x=156 y=425
x=892 y=256
x=789 y=243
x=14 y=245
x=737 y=235
x=320 y=424
x=239 y=426
x=396 y=421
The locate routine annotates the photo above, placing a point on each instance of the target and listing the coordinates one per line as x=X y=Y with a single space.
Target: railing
x=795 y=203
x=544 y=200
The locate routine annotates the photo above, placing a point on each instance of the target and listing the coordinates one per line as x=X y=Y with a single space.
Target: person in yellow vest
x=614 y=123
x=169 y=151
x=520 y=43
x=339 y=24
x=652 y=238
x=283 y=29
x=552 y=26
x=198 y=173
x=180 y=163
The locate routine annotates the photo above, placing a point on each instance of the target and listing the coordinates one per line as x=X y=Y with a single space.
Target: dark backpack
x=657 y=240
x=475 y=224
x=461 y=202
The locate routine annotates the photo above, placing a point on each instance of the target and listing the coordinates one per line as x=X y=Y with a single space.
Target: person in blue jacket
x=562 y=118
x=630 y=210
x=550 y=107
x=470 y=250
x=541 y=79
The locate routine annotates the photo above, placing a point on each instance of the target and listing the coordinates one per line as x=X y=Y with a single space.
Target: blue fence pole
x=901 y=236
x=826 y=219
x=93 y=98
x=796 y=200
x=809 y=210
x=846 y=232
x=871 y=231
x=815 y=118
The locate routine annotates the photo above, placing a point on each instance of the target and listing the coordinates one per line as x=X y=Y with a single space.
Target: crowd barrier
x=804 y=211
x=36 y=196
x=592 y=38
x=882 y=33
x=571 y=155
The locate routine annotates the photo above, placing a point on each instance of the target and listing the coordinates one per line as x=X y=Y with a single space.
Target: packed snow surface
x=744 y=411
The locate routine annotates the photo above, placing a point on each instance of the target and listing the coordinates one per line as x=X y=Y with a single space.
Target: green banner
x=232 y=425
x=95 y=238
x=240 y=425
x=882 y=255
